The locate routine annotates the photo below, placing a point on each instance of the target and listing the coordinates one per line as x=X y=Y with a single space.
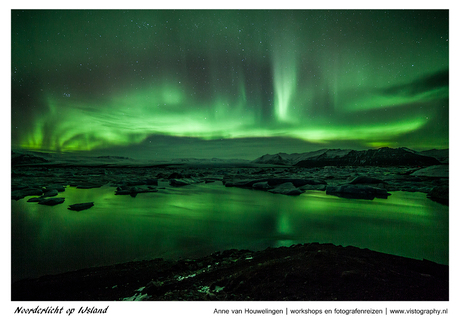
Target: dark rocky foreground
x=317 y=272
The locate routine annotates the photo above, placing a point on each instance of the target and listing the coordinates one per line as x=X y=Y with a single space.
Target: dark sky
x=228 y=83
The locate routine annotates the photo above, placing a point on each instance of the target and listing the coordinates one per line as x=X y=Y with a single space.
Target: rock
x=245 y=183
x=81 y=206
x=297 y=182
x=134 y=190
x=50 y=193
x=365 y=180
x=357 y=191
x=35 y=199
x=352 y=274
x=440 y=194
x=125 y=192
x=249 y=183
x=148 y=181
x=29 y=191
x=175 y=175
x=433 y=171
x=308 y=187
x=162 y=175
x=57 y=187
x=286 y=189
x=261 y=185
x=183 y=181
x=89 y=185
x=151 y=181
x=52 y=201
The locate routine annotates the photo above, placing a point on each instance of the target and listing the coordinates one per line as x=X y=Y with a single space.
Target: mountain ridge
x=384 y=156
x=322 y=157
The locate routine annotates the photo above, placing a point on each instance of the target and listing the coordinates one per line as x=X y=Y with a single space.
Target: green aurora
x=228 y=83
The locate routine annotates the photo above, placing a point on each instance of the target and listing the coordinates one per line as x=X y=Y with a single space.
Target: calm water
x=197 y=220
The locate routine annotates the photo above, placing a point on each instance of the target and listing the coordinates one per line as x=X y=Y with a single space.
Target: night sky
x=228 y=83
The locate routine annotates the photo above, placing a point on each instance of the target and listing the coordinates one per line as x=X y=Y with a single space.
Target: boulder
x=50 y=193
x=57 y=187
x=261 y=185
x=52 y=201
x=183 y=181
x=297 y=182
x=89 y=185
x=134 y=190
x=81 y=206
x=28 y=191
x=286 y=189
x=35 y=199
x=148 y=181
x=175 y=175
x=308 y=187
x=433 y=171
x=249 y=183
x=357 y=191
x=365 y=180
x=440 y=194
x=245 y=183
x=151 y=181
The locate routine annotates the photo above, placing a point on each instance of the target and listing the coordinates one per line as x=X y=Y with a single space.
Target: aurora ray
x=86 y=80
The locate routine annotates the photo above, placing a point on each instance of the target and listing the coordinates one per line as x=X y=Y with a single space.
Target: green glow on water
x=199 y=220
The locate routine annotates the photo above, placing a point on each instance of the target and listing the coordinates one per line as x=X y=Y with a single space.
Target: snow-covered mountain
x=372 y=157
x=22 y=157
x=335 y=157
x=346 y=157
x=292 y=159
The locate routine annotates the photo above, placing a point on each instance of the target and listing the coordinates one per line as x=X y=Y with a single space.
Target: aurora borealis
x=228 y=83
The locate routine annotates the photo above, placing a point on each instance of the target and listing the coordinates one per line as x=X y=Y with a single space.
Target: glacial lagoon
x=197 y=220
